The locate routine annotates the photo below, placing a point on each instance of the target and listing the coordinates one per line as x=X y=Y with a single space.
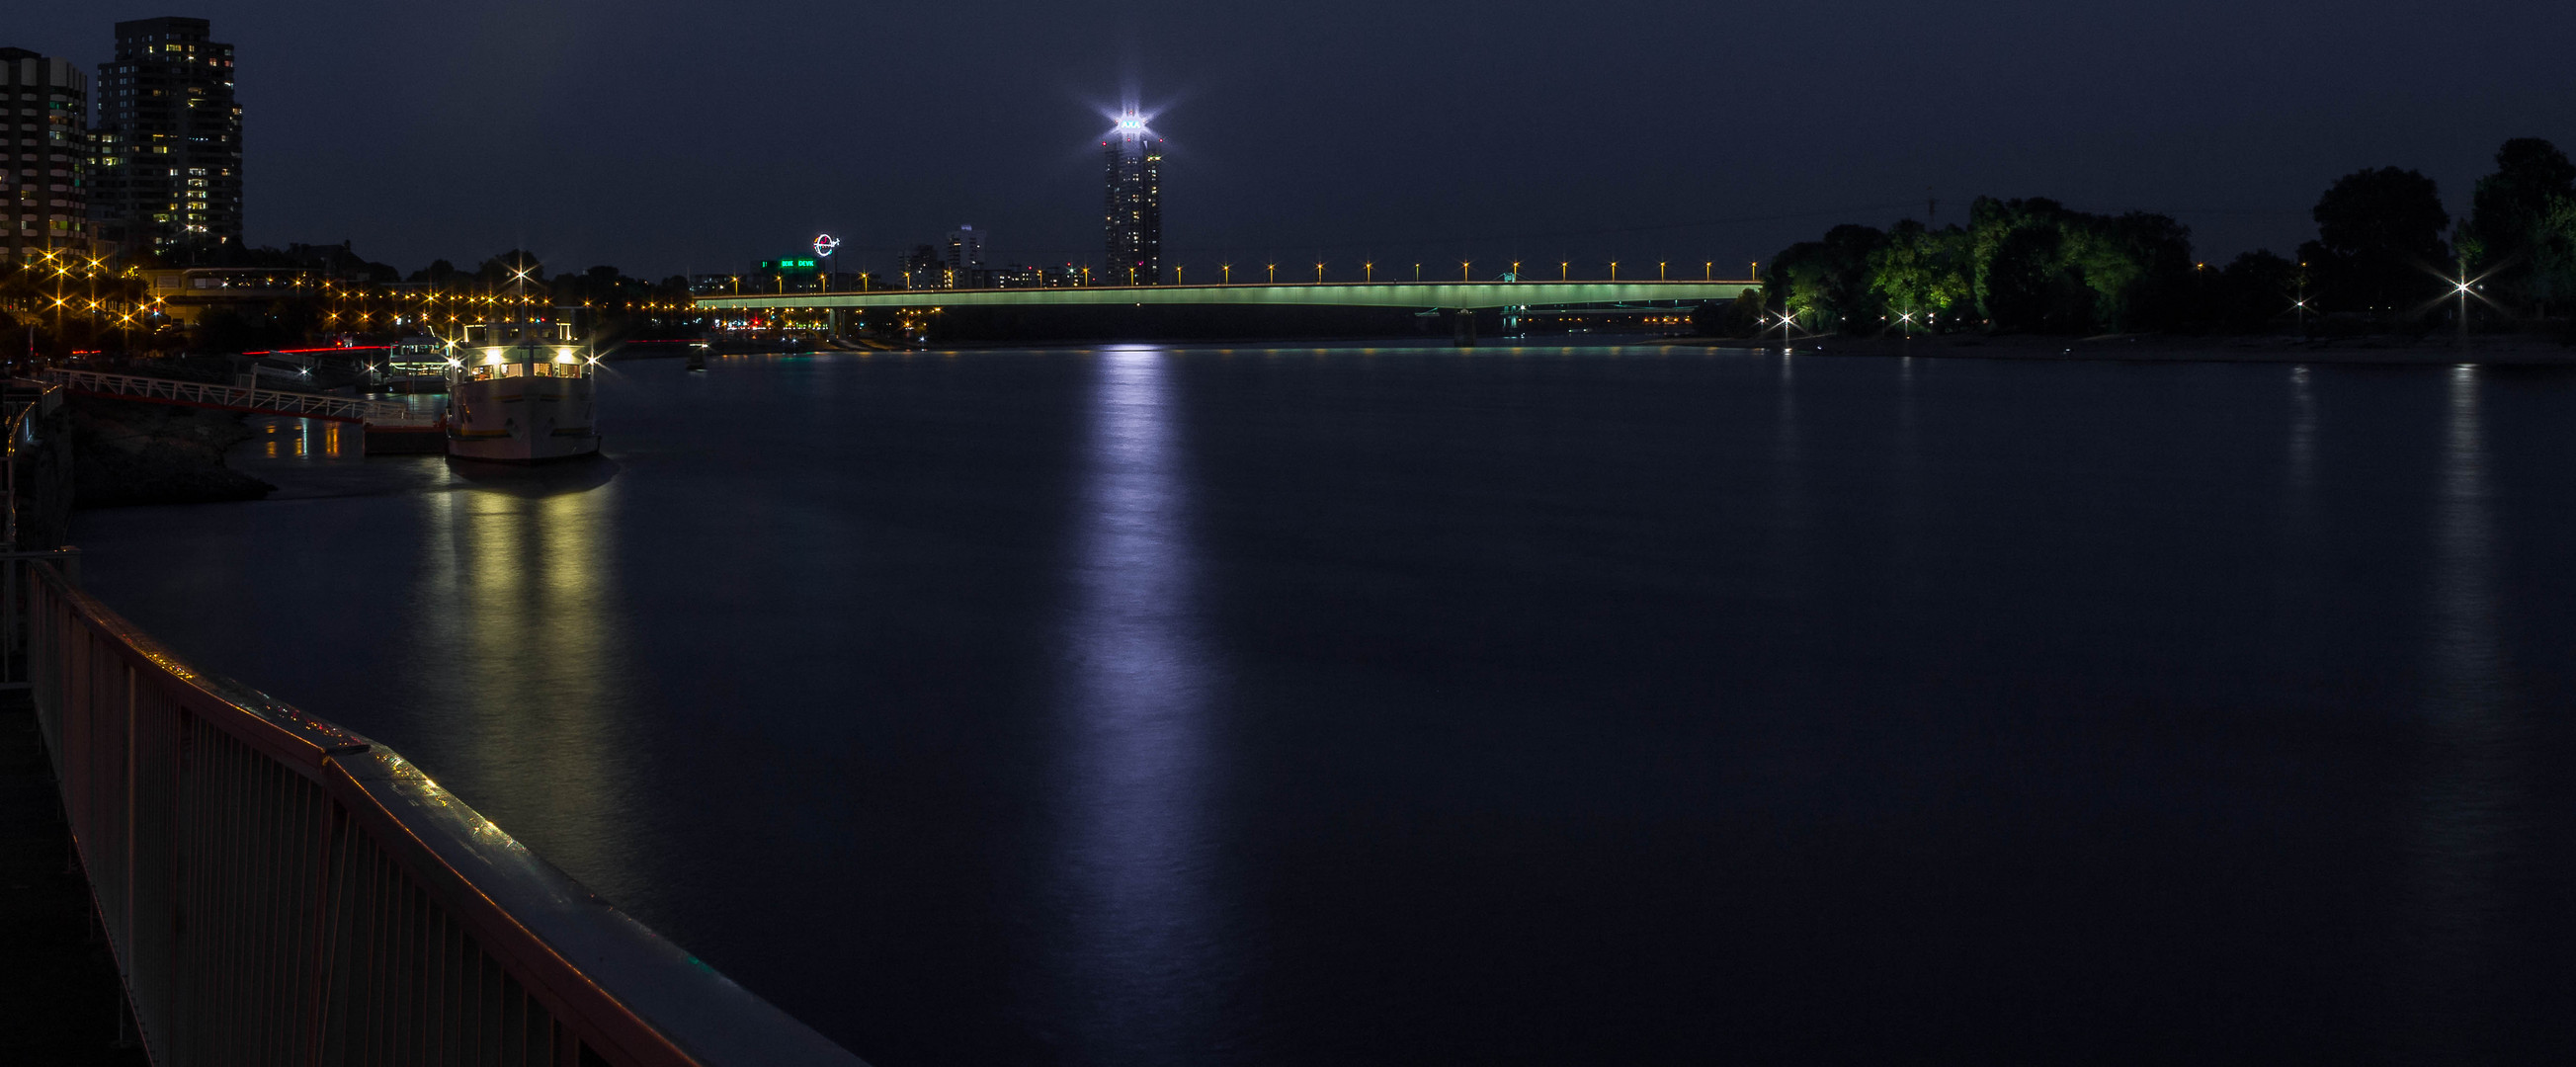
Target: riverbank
x=2503 y=349
x=127 y=453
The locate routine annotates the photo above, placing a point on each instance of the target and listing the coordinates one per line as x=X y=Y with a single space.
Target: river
x=1137 y=705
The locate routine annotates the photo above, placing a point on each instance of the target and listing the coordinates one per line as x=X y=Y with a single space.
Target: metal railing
x=279 y=890
x=235 y=397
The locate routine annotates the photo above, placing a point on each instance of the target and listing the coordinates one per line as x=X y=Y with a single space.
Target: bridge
x=251 y=398
x=1461 y=295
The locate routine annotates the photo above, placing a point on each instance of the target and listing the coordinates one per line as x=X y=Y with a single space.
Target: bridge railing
x=279 y=890
x=234 y=397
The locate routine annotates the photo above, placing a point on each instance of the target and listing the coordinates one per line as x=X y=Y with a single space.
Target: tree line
x=2386 y=255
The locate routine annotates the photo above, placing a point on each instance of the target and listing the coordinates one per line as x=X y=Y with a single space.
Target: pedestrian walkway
x=60 y=1002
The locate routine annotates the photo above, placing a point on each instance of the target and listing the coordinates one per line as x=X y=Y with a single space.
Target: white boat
x=519 y=389
x=416 y=364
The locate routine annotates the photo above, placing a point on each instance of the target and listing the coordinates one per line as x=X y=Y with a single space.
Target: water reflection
x=2462 y=829
x=315 y=439
x=2303 y=443
x=515 y=599
x=1136 y=839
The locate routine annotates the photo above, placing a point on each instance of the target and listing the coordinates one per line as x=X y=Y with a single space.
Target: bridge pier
x=1463 y=328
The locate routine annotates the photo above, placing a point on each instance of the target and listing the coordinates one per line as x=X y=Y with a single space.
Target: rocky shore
x=126 y=453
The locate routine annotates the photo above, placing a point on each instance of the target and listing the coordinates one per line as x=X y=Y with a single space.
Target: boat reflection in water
x=528 y=679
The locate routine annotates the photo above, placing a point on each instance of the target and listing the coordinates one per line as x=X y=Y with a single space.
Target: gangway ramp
x=391 y=425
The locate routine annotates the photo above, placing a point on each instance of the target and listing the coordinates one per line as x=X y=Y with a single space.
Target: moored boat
x=519 y=389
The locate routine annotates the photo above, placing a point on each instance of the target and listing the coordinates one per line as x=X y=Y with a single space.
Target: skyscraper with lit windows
x=168 y=174
x=1134 y=156
x=44 y=155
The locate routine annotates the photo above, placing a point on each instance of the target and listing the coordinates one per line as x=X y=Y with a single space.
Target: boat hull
x=522 y=419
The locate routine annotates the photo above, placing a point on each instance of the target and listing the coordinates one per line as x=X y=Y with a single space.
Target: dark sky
x=699 y=136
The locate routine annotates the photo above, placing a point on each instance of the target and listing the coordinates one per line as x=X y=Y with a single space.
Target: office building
x=44 y=156
x=168 y=142
x=1134 y=158
x=965 y=252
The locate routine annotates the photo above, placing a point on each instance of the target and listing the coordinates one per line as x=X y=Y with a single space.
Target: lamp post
x=2464 y=301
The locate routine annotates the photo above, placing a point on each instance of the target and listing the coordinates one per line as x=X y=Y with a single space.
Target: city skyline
x=1709 y=139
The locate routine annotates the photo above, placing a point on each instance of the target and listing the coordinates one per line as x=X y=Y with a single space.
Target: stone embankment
x=129 y=453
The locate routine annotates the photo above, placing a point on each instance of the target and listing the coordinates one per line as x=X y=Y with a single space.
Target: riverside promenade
x=64 y=1003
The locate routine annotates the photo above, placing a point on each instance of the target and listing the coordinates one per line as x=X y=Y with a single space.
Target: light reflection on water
x=2465 y=805
x=1137 y=838
x=515 y=600
x=1286 y=707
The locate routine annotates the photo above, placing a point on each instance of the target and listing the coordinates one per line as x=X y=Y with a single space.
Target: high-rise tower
x=169 y=149
x=1135 y=209
x=44 y=155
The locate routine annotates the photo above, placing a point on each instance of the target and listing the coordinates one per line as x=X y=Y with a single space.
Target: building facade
x=168 y=173
x=965 y=252
x=44 y=156
x=1134 y=159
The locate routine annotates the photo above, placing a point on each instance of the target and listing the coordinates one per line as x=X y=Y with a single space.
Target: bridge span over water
x=1417 y=295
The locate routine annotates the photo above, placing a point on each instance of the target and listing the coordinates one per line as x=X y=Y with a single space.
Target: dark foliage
x=2379 y=247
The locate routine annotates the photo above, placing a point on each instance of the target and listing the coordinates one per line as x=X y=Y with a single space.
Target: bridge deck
x=1323 y=294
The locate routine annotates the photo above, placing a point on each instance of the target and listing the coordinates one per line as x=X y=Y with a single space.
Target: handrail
x=232 y=397
x=278 y=889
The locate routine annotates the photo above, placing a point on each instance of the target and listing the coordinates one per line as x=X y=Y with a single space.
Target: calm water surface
x=1150 y=706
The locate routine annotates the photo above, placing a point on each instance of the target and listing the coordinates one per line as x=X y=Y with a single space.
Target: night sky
x=669 y=137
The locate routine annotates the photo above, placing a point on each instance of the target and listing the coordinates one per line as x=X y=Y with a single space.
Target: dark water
x=1136 y=706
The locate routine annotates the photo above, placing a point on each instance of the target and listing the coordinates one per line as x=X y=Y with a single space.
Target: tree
x=1922 y=273
x=2512 y=224
x=1826 y=284
x=439 y=272
x=2252 y=292
x=2138 y=266
x=1740 y=317
x=2022 y=270
x=2379 y=246
x=500 y=270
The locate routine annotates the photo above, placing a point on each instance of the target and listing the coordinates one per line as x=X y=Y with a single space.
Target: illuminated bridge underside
x=1330 y=294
